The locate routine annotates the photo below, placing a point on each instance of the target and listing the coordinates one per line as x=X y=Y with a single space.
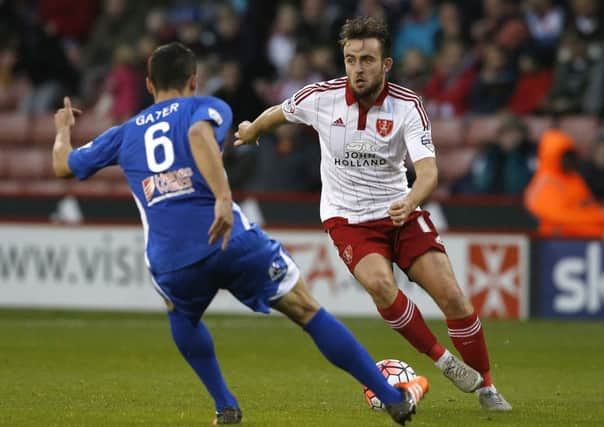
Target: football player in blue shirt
x=197 y=240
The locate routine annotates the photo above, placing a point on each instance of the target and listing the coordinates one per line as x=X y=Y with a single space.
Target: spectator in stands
x=70 y=19
x=451 y=25
x=558 y=196
x=282 y=43
x=43 y=61
x=322 y=61
x=373 y=8
x=501 y=24
x=503 y=166
x=299 y=74
x=158 y=27
x=12 y=87
x=572 y=76
x=545 y=22
x=122 y=91
x=316 y=23
x=413 y=71
x=448 y=87
x=593 y=170
x=585 y=19
x=417 y=30
x=534 y=84
x=288 y=161
x=495 y=82
x=238 y=92
x=118 y=24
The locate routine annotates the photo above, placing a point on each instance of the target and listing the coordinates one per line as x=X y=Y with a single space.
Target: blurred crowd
x=466 y=58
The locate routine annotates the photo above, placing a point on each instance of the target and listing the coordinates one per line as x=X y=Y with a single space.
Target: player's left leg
x=187 y=299
x=432 y=271
x=341 y=348
x=262 y=275
x=195 y=343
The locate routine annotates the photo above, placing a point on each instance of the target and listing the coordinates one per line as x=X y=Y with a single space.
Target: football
x=395 y=371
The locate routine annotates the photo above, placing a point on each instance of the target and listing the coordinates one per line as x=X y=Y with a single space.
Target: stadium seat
x=28 y=163
x=454 y=162
x=43 y=130
x=14 y=128
x=537 y=125
x=582 y=129
x=447 y=132
x=89 y=126
x=48 y=186
x=111 y=174
x=481 y=129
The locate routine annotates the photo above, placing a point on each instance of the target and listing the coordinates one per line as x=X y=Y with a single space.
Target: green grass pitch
x=121 y=369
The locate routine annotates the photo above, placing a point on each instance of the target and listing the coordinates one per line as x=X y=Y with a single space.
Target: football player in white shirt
x=366 y=127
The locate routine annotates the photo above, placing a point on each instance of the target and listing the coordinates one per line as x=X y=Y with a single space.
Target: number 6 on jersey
x=152 y=142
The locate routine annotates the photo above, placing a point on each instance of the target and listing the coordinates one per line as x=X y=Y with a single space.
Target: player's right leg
x=339 y=346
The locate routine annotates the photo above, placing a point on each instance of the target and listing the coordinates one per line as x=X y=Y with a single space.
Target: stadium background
x=494 y=74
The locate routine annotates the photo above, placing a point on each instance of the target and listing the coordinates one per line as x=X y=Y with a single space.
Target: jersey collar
x=350 y=98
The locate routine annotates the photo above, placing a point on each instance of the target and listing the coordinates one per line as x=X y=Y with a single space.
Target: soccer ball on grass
x=395 y=371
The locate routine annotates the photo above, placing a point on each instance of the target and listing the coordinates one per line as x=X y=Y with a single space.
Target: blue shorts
x=254 y=268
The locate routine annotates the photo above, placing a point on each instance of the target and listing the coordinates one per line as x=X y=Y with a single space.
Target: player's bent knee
x=455 y=304
x=381 y=289
x=298 y=304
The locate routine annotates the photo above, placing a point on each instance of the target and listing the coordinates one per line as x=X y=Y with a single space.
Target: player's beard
x=369 y=91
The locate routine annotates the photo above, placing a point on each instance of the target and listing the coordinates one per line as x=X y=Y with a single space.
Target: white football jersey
x=362 y=152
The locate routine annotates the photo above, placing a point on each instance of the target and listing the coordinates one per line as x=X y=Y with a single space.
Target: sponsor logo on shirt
x=360 y=153
x=169 y=184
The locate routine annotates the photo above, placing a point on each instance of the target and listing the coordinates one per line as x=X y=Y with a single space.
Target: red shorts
x=400 y=244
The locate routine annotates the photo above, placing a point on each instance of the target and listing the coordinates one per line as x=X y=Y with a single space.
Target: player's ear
x=193 y=83
x=149 y=86
x=387 y=64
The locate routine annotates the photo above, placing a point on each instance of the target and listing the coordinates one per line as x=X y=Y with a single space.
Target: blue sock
x=342 y=349
x=195 y=344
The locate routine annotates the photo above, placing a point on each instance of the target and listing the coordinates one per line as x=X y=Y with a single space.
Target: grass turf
x=121 y=369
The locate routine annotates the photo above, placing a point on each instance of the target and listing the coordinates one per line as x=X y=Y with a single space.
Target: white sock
x=487 y=389
x=440 y=363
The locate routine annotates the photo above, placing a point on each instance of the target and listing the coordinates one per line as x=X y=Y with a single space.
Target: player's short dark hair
x=170 y=66
x=366 y=27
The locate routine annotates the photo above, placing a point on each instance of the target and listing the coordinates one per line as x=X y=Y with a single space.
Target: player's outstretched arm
x=248 y=133
x=425 y=182
x=64 y=120
x=209 y=162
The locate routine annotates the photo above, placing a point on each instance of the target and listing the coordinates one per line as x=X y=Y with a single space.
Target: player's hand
x=245 y=134
x=65 y=117
x=400 y=210
x=223 y=222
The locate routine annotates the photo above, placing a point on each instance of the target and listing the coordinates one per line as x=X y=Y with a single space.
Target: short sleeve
x=218 y=113
x=300 y=108
x=100 y=152
x=418 y=137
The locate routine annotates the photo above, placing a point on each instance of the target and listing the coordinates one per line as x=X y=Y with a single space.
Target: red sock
x=404 y=317
x=468 y=338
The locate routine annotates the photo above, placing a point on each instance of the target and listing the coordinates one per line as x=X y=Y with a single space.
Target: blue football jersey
x=174 y=200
